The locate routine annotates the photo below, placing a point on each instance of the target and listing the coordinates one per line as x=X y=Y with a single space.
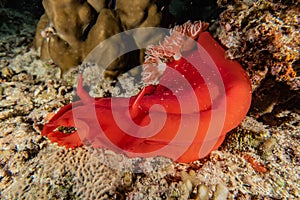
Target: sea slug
x=200 y=96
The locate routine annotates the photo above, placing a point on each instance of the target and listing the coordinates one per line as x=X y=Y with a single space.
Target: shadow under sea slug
x=200 y=96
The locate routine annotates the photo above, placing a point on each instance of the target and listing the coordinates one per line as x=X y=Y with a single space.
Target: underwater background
x=260 y=159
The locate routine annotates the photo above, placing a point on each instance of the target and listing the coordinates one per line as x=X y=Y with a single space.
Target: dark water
x=183 y=10
x=35 y=7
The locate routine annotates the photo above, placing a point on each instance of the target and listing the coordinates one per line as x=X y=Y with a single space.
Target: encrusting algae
x=264 y=35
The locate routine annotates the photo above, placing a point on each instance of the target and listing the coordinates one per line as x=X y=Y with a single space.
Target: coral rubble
x=69 y=30
x=264 y=36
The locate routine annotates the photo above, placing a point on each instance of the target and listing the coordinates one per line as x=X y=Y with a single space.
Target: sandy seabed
x=256 y=161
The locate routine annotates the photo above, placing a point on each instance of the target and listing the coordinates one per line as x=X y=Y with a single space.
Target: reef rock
x=264 y=36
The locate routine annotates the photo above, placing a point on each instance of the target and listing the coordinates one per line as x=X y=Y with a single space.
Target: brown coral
x=264 y=36
x=70 y=29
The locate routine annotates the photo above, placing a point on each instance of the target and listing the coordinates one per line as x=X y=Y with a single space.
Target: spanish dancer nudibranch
x=200 y=96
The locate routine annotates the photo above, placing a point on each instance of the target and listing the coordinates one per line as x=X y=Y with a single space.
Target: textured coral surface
x=70 y=30
x=265 y=36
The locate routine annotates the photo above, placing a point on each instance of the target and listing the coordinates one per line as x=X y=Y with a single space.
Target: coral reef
x=76 y=174
x=30 y=89
x=69 y=30
x=264 y=36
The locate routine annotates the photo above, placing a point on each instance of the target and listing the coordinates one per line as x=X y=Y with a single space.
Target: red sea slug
x=200 y=96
